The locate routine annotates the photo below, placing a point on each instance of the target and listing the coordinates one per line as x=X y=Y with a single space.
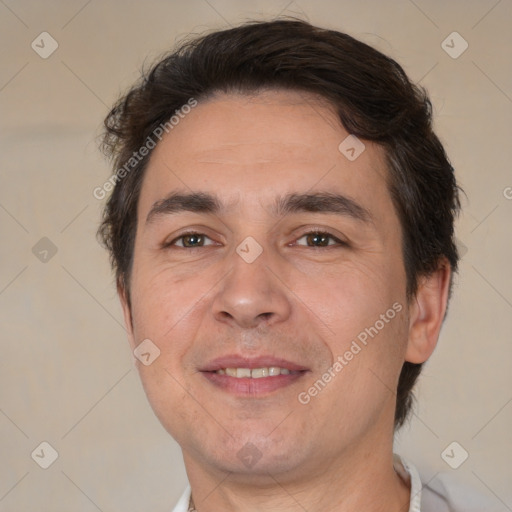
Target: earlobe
x=426 y=314
x=127 y=313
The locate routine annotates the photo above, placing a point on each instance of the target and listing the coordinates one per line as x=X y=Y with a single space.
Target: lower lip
x=252 y=387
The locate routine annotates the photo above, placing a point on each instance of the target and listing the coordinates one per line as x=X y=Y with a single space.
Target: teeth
x=255 y=373
x=243 y=372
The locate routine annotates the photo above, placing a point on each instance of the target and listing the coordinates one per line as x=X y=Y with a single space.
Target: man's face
x=251 y=289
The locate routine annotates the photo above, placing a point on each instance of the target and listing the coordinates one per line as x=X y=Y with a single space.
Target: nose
x=252 y=294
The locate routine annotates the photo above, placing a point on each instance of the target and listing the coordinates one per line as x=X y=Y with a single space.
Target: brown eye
x=319 y=239
x=191 y=241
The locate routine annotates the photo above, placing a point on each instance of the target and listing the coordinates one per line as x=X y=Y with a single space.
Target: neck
x=353 y=481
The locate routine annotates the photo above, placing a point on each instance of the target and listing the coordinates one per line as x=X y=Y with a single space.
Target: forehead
x=248 y=149
x=243 y=127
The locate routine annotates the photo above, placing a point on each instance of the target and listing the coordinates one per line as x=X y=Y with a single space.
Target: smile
x=255 y=373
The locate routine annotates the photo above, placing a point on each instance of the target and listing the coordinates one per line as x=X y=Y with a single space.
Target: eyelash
x=339 y=243
x=183 y=235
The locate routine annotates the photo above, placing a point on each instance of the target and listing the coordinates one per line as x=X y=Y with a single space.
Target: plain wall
x=66 y=372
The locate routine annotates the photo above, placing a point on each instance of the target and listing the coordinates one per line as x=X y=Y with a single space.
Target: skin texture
x=298 y=300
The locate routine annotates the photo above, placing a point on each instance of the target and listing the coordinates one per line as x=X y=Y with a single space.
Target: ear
x=426 y=314
x=127 y=311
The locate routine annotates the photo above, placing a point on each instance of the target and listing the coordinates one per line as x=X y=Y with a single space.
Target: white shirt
x=443 y=495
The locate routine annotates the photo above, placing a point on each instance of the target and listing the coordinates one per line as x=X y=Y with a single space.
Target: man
x=281 y=228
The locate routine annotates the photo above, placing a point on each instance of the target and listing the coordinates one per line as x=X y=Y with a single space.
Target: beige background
x=66 y=373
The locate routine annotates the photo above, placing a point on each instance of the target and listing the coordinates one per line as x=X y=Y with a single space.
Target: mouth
x=252 y=376
x=255 y=373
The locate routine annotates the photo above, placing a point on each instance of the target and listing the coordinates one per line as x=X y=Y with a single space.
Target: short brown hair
x=372 y=95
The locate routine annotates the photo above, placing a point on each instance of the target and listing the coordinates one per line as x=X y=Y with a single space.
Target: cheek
x=350 y=297
x=161 y=300
x=364 y=375
x=362 y=319
x=172 y=312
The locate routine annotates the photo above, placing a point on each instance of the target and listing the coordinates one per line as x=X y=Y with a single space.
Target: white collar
x=410 y=475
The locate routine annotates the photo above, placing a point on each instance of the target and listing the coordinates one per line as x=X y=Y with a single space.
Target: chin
x=254 y=457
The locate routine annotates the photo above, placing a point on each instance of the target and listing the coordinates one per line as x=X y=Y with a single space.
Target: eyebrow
x=322 y=202
x=317 y=202
x=198 y=202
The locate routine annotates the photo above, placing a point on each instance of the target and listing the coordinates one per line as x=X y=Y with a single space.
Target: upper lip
x=236 y=361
